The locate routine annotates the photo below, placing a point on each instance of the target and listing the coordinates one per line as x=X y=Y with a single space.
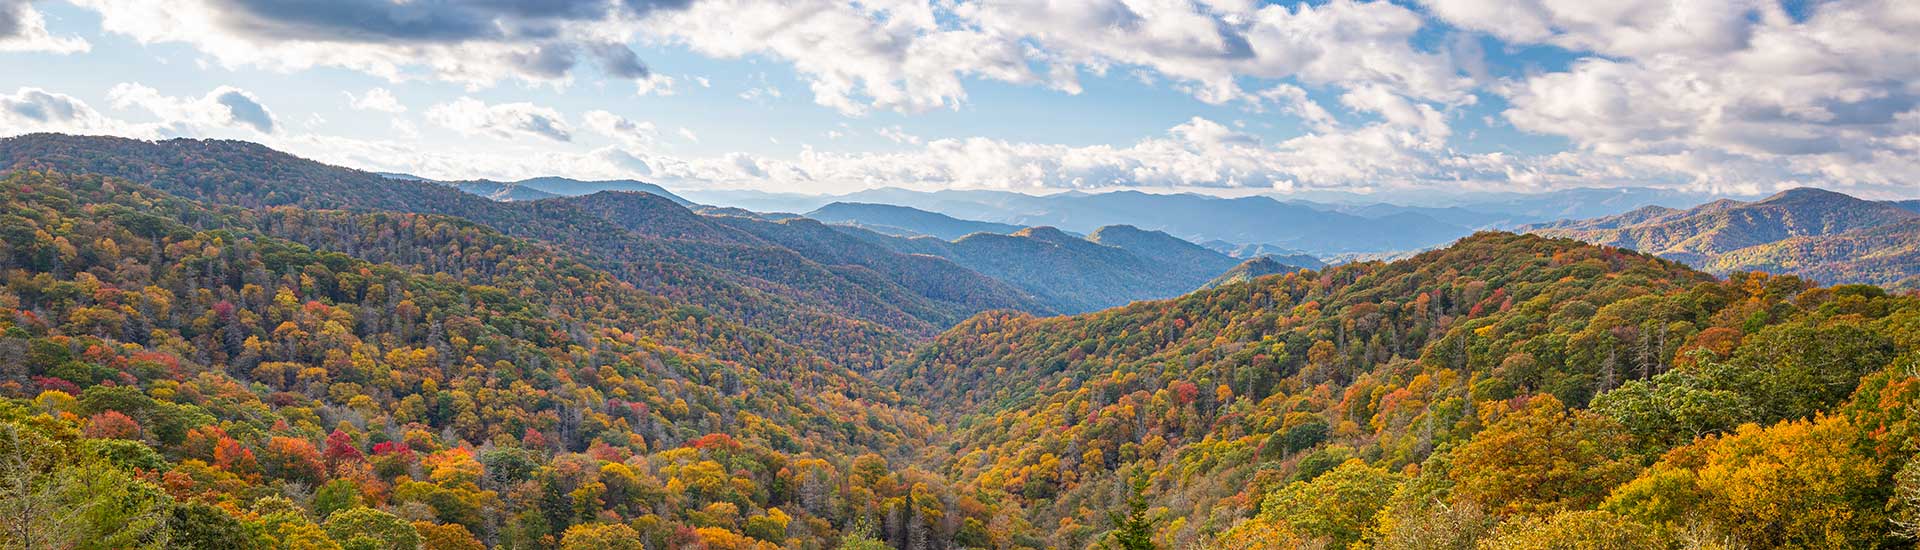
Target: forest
x=395 y=368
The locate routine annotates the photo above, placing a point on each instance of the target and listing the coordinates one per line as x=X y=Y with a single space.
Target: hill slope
x=379 y=361
x=1803 y=231
x=654 y=244
x=1296 y=407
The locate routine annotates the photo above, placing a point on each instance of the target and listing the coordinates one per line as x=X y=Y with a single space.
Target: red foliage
x=340 y=448
x=112 y=425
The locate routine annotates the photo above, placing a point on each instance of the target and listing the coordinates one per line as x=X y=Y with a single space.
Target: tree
x=1542 y=458
x=49 y=499
x=1581 y=530
x=1906 y=499
x=370 y=529
x=1135 y=529
x=1338 y=505
x=199 y=526
x=1794 y=484
x=446 y=536
x=600 y=536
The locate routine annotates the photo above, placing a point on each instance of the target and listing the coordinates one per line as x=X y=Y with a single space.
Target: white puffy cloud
x=889 y=55
x=24 y=29
x=506 y=121
x=632 y=134
x=376 y=99
x=1735 y=94
x=36 y=110
x=225 y=106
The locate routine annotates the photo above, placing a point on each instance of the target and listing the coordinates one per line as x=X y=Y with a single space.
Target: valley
x=241 y=348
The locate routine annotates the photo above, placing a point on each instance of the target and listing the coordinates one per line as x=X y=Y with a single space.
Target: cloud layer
x=1736 y=95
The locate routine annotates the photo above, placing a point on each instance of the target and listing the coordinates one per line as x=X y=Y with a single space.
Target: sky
x=1219 y=96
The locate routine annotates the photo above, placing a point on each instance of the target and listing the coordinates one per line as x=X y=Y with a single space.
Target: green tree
x=1338 y=505
x=1133 y=530
x=370 y=529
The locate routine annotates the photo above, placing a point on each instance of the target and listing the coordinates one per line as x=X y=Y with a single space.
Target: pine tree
x=1134 y=530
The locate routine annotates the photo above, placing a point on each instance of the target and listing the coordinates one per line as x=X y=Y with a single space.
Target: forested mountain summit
x=1506 y=390
x=1824 y=235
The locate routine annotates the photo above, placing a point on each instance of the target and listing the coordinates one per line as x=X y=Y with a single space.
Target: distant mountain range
x=902 y=221
x=546 y=187
x=1250 y=270
x=1115 y=266
x=1824 y=235
x=1251 y=226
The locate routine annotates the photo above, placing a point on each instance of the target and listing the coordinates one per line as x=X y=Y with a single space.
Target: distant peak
x=1045 y=233
x=1801 y=194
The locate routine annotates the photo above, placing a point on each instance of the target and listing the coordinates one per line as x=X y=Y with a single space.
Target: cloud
x=1737 y=95
x=36 y=110
x=477 y=43
x=224 y=107
x=377 y=99
x=655 y=84
x=503 y=121
x=638 y=135
x=855 y=57
x=24 y=29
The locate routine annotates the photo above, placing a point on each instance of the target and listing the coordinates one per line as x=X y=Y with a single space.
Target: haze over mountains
x=1820 y=234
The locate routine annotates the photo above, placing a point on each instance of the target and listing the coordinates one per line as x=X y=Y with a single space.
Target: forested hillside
x=1814 y=233
x=1506 y=392
x=210 y=345
x=292 y=378
x=852 y=316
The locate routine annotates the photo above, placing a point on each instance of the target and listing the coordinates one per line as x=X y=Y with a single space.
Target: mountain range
x=1824 y=235
x=211 y=344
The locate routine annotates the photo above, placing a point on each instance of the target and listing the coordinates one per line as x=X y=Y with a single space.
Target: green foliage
x=1338 y=506
x=1134 y=529
x=370 y=529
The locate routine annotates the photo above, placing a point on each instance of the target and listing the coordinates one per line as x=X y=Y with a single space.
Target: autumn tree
x=1541 y=458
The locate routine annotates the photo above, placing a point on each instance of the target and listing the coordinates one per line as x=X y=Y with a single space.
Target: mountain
x=1191 y=217
x=1283 y=255
x=1886 y=255
x=574 y=188
x=1803 y=231
x=1371 y=402
x=548 y=187
x=1455 y=215
x=1190 y=261
x=1356 y=224
x=1577 y=203
x=849 y=313
x=209 y=344
x=901 y=221
x=1250 y=270
x=1068 y=273
x=220 y=359
x=501 y=191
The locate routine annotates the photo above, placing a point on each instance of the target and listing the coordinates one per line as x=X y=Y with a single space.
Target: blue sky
x=1222 y=96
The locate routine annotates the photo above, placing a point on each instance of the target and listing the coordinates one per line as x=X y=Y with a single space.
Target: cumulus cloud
x=1736 y=93
x=377 y=99
x=638 y=135
x=477 y=43
x=504 y=121
x=24 y=29
x=225 y=106
x=36 y=110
